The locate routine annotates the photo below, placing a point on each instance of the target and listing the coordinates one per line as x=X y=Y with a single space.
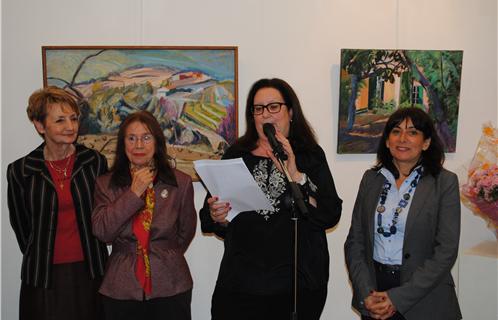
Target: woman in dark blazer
x=146 y=209
x=50 y=199
x=405 y=229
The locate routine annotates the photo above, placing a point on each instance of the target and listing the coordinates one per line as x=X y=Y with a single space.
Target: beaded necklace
x=402 y=204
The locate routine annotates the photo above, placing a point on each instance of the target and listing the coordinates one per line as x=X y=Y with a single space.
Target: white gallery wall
x=299 y=41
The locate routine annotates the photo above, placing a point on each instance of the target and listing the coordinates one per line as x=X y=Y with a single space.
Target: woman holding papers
x=146 y=209
x=255 y=277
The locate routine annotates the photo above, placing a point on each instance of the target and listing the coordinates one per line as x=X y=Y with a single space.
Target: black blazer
x=32 y=202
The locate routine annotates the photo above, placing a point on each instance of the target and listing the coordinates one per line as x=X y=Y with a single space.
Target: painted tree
x=363 y=64
x=437 y=71
x=440 y=77
x=70 y=84
x=85 y=126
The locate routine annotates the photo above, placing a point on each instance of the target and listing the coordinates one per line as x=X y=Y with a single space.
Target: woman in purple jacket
x=146 y=209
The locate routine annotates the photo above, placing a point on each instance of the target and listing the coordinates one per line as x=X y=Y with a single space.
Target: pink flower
x=483 y=183
x=480 y=193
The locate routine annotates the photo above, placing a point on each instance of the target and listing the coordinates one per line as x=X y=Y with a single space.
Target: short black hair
x=431 y=160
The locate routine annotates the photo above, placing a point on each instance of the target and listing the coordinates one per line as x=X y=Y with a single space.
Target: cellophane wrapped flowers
x=480 y=193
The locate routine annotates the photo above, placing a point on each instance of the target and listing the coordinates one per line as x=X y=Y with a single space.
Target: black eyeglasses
x=273 y=107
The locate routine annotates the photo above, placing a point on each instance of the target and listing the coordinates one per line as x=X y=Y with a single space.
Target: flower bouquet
x=480 y=193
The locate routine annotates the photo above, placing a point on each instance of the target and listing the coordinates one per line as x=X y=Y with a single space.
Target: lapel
x=163 y=189
x=83 y=155
x=424 y=188
x=34 y=164
x=164 y=215
x=371 y=203
x=162 y=192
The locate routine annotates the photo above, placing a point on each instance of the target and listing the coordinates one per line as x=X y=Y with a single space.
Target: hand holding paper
x=232 y=182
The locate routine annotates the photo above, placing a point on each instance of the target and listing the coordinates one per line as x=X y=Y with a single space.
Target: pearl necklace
x=402 y=204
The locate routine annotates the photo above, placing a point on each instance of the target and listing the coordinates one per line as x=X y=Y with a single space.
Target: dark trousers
x=176 y=307
x=73 y=295
x=228 y=305
x=386 y=279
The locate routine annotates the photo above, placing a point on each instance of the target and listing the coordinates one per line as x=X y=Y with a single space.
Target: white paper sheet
x=231 y=181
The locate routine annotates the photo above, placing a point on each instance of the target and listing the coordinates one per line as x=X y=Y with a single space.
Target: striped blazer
x=32 y=202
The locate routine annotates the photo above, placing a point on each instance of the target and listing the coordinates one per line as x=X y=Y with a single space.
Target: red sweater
x=67 y=246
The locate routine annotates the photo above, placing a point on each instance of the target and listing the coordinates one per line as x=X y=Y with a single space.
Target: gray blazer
x=430 y=247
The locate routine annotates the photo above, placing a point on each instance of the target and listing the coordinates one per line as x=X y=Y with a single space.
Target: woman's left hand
x=382 y=308
x=290 y=163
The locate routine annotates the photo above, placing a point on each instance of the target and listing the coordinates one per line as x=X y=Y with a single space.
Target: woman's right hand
x=218 y=210
x=141 y=179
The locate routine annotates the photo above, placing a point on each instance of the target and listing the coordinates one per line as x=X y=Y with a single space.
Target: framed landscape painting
x=376 y=82
x=192 y=92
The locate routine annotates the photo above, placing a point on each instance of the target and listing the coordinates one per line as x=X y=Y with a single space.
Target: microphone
x=278 y=149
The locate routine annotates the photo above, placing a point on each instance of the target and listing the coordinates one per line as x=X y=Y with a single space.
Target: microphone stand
x=296 y=199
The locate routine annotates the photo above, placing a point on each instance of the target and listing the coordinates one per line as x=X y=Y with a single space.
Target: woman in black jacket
x=50 y=199
x=255 y=278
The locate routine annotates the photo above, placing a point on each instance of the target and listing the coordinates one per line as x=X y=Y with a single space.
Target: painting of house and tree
x=374 y=83
x=192 y=92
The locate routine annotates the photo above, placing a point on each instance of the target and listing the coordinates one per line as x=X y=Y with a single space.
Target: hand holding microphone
x=281 y=152
x=278 y=149
x=285 y=153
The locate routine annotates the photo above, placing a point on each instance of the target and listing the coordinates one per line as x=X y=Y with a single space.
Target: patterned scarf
x=141 y=230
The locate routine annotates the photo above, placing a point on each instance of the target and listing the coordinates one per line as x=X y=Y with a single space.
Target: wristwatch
x=303 y=180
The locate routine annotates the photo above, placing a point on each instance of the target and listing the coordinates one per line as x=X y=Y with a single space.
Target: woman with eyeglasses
x=405 y=228
x=145 y=208
x=255 y=280
x=50 y=200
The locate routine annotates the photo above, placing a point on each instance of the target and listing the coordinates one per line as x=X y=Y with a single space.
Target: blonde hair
x=41 y=99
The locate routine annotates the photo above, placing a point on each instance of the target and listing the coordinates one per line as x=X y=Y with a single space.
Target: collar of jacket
x=35 y=161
